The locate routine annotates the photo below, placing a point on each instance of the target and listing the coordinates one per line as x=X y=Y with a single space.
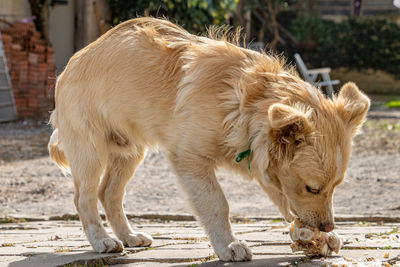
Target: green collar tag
x=242 y=155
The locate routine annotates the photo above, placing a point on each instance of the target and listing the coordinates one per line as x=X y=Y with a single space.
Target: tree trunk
x=238 y=18
x=242 y=19
x=41 y=9
x=273 y=9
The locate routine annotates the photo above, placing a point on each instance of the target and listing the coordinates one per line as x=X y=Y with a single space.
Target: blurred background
x=357 y=40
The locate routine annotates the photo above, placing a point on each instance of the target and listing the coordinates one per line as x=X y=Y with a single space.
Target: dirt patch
x=23 y=140
x=378 y=137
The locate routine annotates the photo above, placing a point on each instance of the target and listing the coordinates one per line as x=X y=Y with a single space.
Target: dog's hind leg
x=111 y=194
x=86 y=170
x=196 y=176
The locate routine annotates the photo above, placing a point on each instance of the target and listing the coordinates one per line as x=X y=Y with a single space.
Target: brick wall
x=32 y=69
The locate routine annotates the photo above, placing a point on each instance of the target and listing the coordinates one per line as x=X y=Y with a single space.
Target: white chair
x=312 y=75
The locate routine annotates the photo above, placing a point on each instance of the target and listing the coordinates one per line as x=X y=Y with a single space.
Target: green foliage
x=357 y=43
x=11 y=219
x=193 y=15
x=286 y=17
x=308 y=29
x=393 y=104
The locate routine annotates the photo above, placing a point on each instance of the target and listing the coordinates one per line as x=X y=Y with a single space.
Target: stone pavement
x=183 y=243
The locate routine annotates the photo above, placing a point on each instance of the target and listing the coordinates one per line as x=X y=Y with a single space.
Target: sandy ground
x=30 y=184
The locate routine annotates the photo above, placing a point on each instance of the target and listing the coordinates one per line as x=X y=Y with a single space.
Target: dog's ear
x=353 y=106
x=288 y=127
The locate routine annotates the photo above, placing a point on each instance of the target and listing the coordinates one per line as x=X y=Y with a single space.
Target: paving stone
x=278 y=237
x=158 y=264
x=59 y=243
x=395 y=244
x=363 y=230
x=272 y=250
x=18 y=239
x=178 y=235
x=364 y=254
x=5 y=260
x=346 y=261
x=166 y=225
x=259 y=261
x=189 y=236
x=162 y=243
x=173 y=254
x=20 y=250
x=56 y=259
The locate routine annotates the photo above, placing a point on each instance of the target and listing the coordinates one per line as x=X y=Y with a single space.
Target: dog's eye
x=312 y=190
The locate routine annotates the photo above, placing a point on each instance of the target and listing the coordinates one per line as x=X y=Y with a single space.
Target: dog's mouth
x=296 y=216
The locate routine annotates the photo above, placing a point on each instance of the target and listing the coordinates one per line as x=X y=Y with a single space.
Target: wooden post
x=96 y=10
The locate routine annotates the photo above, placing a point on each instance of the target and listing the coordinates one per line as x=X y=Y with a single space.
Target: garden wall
x=32 y=69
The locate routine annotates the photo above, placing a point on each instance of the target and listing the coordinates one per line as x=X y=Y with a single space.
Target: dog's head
x=310 y=149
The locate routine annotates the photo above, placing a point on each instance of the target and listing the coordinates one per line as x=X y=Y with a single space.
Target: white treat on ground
x=312 y=241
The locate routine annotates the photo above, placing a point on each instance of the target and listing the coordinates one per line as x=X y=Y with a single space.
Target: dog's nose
x=326 y=227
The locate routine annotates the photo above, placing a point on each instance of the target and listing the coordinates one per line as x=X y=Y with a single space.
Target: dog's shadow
x=86 y=258
x=90 y=258
x=268 y=261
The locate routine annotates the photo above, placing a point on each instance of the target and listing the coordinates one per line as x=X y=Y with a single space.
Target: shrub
x=194 y=15
x=357 y=43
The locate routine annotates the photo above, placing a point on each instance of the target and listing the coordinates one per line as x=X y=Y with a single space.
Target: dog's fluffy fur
x=148 y=83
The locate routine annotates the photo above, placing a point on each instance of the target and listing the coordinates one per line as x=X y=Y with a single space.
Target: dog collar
x=242 y=155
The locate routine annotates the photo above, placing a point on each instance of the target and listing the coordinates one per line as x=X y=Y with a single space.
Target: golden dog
x=148 y=83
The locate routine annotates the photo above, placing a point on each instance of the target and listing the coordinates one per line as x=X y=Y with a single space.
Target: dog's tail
x=55 y=151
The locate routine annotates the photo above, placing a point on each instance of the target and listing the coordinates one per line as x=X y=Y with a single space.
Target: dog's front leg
x=279 y=199
x=209 y=204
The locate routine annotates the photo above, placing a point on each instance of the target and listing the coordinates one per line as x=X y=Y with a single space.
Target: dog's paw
x=107 y=245
x=138 y=239
x=236 y=251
